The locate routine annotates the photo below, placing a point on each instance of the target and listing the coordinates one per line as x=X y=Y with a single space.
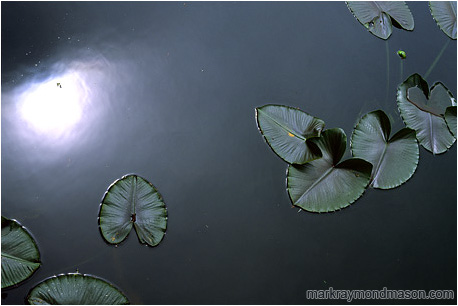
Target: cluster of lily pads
x=378 y=17
x=317 y=179
x=130 y=201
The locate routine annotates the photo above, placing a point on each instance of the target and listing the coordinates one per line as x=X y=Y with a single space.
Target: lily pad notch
x=424 y=110
x=327 y=184
x=378 y=17
x=132 y=201
x=394 y=159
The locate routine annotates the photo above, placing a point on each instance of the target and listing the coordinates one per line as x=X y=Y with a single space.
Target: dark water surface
x=168 y=91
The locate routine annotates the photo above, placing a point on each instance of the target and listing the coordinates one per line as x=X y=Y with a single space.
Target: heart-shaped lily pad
x=395 y=159
x=288 y=132
x=423 y=109
x=377 y=16
x=325 y=185
x=129 y=202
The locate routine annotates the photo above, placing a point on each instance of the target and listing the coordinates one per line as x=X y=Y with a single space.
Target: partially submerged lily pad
x=76 y=289
x=394 y=160
x=129 y=202
x=378 y=16
x=423 y=109
x=326 y=184
x=444 y=12
x=288 y=130
x=20 y=254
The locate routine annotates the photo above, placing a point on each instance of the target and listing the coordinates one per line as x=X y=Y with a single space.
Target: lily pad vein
x=379 y=163
x=284 y=127
x=319 y=180
x=133 y=194
x=28 y=262
x=431 y=132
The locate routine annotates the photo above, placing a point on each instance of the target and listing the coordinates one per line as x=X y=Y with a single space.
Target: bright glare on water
x=54 y=106
x=60 y=109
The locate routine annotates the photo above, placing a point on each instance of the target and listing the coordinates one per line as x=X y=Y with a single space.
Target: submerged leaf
x=444 y=12
x=325 y=185
x=395 y=160
x=76 y=289
x=20 y=255
x=376 y=16
x=288 y=130
x=423 y=110
x=132 y=201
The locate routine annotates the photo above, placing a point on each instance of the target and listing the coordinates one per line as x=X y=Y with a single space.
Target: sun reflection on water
x=62 y=108
x=54 y=106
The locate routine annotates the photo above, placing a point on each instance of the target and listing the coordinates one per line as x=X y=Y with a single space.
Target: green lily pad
x=423 y=110
x=132 y=201
x=377 y=16
x=76 y=289
x=444 y=12
x=20 y=254
x=325 y=185
x=450 y=119
x=288 y=130
x=395 y=160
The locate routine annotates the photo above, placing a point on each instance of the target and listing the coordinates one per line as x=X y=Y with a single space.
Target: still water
x=167 y=90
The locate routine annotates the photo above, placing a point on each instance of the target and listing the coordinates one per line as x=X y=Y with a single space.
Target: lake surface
x=168 y=90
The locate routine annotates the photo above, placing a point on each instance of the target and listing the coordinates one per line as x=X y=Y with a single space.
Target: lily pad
x=444 y=12
x=20 y=254
x=423 y=110
x=288 y=130
x=325 y=185
x=395 y=160
x=377 y=16
x=450 y=119
x=76 y=289
x=132 y=201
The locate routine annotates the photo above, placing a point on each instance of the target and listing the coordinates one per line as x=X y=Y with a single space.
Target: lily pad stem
x=437 y=59
x=387 y=70
x=401 y=70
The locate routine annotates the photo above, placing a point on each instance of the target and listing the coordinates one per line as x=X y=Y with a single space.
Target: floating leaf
x=20 y=255
x=132 y=201
x=377 y=16
x=444 y=12
x=394 y=160
x=76 y=289
x=288 y=130
x=450 y=119
x=324 y=184
x=423 y=110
